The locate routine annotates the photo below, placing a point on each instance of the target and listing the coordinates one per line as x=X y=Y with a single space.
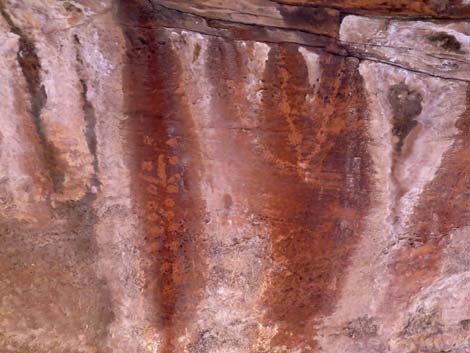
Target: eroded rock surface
x=233 y=177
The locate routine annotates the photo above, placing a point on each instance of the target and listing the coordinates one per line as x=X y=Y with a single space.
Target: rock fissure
x=90 y=121
x=89 y=116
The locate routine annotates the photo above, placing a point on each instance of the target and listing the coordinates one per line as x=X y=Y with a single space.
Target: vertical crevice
x=89 y=115
x=90 y=133
x=31 y=68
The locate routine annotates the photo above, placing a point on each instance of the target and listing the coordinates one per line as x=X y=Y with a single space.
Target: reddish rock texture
x=210 y=176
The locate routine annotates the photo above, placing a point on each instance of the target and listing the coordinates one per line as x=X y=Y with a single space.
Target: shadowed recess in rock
x=406 y=106
x=446 y=41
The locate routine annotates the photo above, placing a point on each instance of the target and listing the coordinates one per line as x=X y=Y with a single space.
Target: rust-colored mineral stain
x=314 y=186
x=165 y=176
x=303 y=171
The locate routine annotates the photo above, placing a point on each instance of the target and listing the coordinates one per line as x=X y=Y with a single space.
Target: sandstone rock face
x=233 y=177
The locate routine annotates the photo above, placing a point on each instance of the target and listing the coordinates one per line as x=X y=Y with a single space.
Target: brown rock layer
x=411 y=8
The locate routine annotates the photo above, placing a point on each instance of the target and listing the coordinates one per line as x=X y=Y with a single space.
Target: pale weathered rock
x=438 y=49
x=233 y=177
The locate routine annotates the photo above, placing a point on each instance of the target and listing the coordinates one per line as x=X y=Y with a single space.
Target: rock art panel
x=210 y=176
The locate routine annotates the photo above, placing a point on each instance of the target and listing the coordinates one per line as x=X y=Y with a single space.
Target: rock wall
x=234 y=177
